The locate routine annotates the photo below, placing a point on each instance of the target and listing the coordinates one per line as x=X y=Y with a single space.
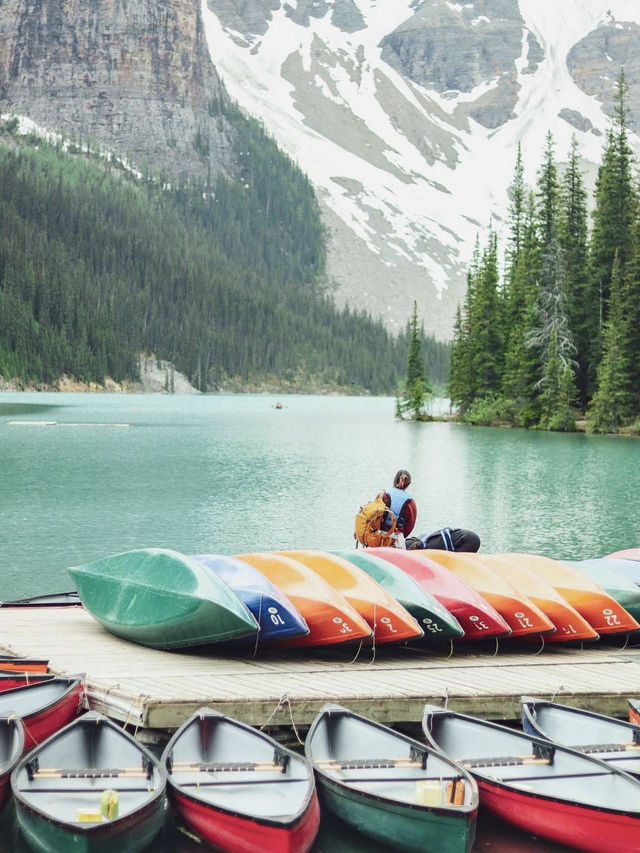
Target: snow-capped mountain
x=407 y=114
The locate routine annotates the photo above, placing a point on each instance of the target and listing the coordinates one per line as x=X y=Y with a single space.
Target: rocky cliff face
x=133 y=76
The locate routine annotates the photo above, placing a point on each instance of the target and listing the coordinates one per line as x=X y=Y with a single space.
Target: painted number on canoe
x=386 y=621
x=276 y=618
x=523 y=620
x=431 y=625
x=345 y=627
x=610 y=617
x=478 y=623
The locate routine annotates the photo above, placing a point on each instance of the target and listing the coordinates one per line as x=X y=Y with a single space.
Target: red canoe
x=602 y=612
x=11 y=748
x=477 y=617
x=570 y=625
x=329 y=616
x=9 y=680
x=387 y=618
x=240 y=789
x=523 y=617
x=44 y=707
x=634 y=711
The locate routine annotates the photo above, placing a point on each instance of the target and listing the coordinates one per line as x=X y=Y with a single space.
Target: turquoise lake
x=87 y=475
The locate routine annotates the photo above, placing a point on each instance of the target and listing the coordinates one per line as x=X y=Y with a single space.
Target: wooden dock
x=154 y=690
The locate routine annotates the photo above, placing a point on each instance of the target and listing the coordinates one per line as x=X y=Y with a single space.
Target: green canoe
x=389 y=787
x=162 y=599
x=435 y=620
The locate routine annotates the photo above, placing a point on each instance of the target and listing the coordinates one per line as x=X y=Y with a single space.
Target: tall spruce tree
x=573 y=238
x=416 y=387
x=612 y=402
x=485 y=324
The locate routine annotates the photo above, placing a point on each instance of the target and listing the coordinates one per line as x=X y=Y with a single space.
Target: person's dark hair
x=402 y=479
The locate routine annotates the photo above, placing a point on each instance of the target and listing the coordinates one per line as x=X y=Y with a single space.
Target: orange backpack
x=368 y=524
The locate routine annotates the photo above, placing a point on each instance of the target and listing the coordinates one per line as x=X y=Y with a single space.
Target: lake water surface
x=87 y=475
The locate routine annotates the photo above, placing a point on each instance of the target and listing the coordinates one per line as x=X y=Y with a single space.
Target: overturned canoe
x=53 y=599
x=163 y=599
x=10 y=664
x=435 y=620
x=478 y=619
x=238 y=788
x=390 y=787
x=603 y=613
x=543 y=788
x=521 y=615
x=44 y=707
x=11 y=748
x=276 y=615
x=9 y=680
x=614 y=582
x=626 y=554
x=90 y=787
x=330 y=617
x=614 y=741
x=387 y=618
x=570 y=625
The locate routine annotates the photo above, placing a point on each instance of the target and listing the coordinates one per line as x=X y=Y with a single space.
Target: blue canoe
x=277 y=616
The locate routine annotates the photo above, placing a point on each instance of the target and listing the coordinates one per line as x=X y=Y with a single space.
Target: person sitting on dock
x=402 y=505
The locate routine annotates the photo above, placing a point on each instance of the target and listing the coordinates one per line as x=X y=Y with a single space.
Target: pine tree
x=416 y=387
x=611 y=404
x=573 y=238
x=485 y=324
x=548 y=194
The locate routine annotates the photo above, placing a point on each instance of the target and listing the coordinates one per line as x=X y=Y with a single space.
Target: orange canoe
x=519 y=612
x=477 y=617
x=602 y=612
x=9 y=664
x=570 y=625
x=330 y=617
x=388 y=619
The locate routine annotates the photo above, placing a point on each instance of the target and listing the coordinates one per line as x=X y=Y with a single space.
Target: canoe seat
x=368 y=763
x=607 y=747
x=34 y=771
x=503 y=761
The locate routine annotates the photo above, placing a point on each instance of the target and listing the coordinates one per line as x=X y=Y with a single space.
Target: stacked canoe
x=377 y=596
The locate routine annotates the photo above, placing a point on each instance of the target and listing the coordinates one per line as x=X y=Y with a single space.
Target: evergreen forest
x=227 y=281
x=550 y=336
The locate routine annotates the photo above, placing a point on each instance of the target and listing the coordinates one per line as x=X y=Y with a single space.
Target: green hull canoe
x=163 y=599
x=389 y=787
x=435 y=620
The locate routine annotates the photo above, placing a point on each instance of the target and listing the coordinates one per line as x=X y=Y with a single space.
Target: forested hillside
x=558 y=337
x=225 y=280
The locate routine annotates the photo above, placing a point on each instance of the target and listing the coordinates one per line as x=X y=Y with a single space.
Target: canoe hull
x=588 y=829
x=237 y=834
x=407 y=828
x=11 y=748
x=44 y=707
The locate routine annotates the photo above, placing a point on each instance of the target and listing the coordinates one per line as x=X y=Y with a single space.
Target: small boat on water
x=390 y=787
x=238 y=788
x=570 y=625
x=521 y=615
x=11 y=748
x=11 y=664
x=389 y=621
x=90 y=787
x=602 y=612
x=9 y=680
x=543 y=788
x=330 y=617
x=162 y=599
x=435 y=620
x=44 y=707
x=478 y=619
x=276 y=615
x=614 y=741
